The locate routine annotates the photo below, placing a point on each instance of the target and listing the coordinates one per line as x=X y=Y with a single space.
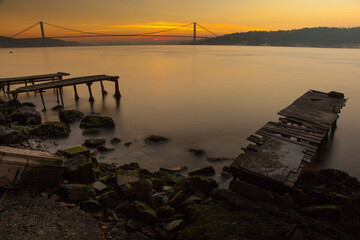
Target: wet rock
x=102 y=148
x=91 y=121
x=25 y=115
x=90 y=206
x=4 y=119
x=205 y=171
x=127 y=176
x=178 y=198
x=78 y=169
x=165 y=211
x=70 y=116
x=218 y=159
x=90 y=131
x=148 y=231
x=142 y=212
x=51 y=130
x=134 y=225
x=57 y=108
x=174 y=170
x=29 y=104
x=191 y=200
x=99 y=186
x=75 y=192
x=332 y=213
x=94 y=142
x=157 y=183
x=154 y=139
x=115 y=140
x=127 y=144
x=226 y=175
x=137 y=190
x=159 y=199
x=10 y=136
x=196 y=151
x=109 y=199
x=168 y=178
x=174 y=225
x=198 y=185
x=78 y=150
x=226 y=169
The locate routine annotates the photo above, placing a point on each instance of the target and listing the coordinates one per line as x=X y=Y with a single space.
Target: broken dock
x=282 y=149
x=30 y=79
x=88 y=80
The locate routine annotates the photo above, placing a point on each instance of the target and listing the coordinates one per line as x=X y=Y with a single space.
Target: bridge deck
x=282 y=149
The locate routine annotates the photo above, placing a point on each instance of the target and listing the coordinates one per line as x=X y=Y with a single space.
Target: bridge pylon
x=194 y=39
x=42 y=30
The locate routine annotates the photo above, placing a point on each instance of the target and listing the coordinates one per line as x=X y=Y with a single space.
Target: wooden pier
x=88 y=80
x=281 y=150
x=31 y=79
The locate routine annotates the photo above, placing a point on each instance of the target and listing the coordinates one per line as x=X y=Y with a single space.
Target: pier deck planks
x=284 y=148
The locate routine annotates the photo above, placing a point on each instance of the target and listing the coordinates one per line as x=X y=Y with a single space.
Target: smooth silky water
x=208 y=97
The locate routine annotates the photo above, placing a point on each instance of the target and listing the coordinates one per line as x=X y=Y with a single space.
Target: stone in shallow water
x=91 y=121
x=51 y=129
x=94 y=142
x=70 y=116
x=154 y=139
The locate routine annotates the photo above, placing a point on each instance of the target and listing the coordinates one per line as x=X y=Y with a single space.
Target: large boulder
x=25 y=115
x=9 y=135
x=51 y=130
x=92 y=121
x=78 y=169
x=70 y=116
x=74 y=192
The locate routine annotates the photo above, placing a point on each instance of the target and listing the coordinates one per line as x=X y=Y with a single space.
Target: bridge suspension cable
x=16 y=34
x=207 y=30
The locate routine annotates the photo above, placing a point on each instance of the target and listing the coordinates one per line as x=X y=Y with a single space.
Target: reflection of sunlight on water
x=205 y=97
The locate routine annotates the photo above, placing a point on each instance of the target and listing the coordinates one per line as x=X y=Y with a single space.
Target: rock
x=159 y=199
x=102 y=148
x=127 y=144
x=99 y=186
x=332 y=213
x=25 y=115
x=29 y=104
x=134 y=225
x=218 y=159
x=226 y=175
x=90 y=206
x=57 y=107
x=71 y=152
x=109 y=199
x=157 y=183
x=115 y=140
x=174 y=225
x=127 y=176
x=147 y=230
x=91 y=131
x=79 y=169
x=191 y=200
x=226 y=169
x=51 y=130
x=166 y=177
x=142 y=212
x=154 y=139
x=10 y=136
x=94 y=142
x=4 y=119
x=122 y=207
x=196 y=151
x=205 y=171
x=165 y=211
x=178 y=198
x=174 y=170
x=137 y=190
x=74 y=192
x=91 y=121
x=70 y=116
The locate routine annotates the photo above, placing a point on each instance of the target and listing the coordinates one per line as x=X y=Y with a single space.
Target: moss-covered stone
x=109 y=199
x=70 y=152
x=76 y=192
x=168 y=178
x=51 y=130
x=90 y=131
x=70 y=116
x=142 y=212
x=10 y=136
x=91 y=121
x=200 y=186
x=165 y=211
x=25 y=115
x=178 y=198
x=94 y=142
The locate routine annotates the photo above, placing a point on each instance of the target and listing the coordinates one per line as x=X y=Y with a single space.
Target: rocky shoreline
x=102 y=201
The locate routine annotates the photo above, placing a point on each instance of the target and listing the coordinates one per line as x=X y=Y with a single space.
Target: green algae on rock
x=51 y=129
x=91 y=121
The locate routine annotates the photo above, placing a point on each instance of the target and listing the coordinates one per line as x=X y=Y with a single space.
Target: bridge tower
x=42 y=30
x=194 y=39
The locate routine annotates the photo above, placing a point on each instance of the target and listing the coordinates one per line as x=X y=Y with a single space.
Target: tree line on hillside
x=312 y=37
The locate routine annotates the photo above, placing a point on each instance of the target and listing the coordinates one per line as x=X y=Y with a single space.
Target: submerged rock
x=115 y=140
x=94 y=142
x=70 y=116
x=91 y=131
x=205 y=171
x=91 y=121
x=51 y=130
x=196 y=151
x=154 y=139
x=102 y=148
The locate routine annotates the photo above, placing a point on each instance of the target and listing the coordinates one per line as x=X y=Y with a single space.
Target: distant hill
x=306 y=37
x=8 y=42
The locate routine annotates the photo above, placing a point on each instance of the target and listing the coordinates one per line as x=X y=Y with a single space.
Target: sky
x=142 y=16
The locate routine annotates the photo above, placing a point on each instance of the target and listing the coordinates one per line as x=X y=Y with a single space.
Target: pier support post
x=117 y=91
x=102 y=88
x=42 y=100
x=75 y=92
x=91 y=98
x=61 y=97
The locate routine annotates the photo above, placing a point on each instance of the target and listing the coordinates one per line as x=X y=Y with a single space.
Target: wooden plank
x=33 y=77
x=255 y=139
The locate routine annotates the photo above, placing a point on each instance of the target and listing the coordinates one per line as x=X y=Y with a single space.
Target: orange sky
x=141 y=16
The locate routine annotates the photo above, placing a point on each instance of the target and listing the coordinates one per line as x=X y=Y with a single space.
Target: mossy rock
x=178 y=198
x=109 y=199
x=142 y=212
x=165 y=211
x=10 y=136
x=201 y=186
x=94 y=142
x=168 y=178
x=91 y=121
x=70 y=152
x=70 y=116
x=51 y=130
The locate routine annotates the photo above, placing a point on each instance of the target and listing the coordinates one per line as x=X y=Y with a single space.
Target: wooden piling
x=91 y=98
x=117 y=91
x=75 y=92
x=61 y=97
x=102 y=88
x=42 y=100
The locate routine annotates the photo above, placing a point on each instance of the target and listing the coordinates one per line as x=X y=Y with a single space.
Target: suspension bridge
x=87 y=34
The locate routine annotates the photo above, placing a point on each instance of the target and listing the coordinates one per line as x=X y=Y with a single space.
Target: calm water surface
x=209 y=97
